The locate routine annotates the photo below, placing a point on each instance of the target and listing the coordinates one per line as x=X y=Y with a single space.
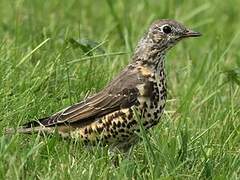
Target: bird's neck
x=150 y=55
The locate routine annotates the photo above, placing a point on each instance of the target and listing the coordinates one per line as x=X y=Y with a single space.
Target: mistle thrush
x=108 y=117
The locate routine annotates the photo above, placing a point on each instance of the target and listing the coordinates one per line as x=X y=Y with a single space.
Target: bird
x=137 y=96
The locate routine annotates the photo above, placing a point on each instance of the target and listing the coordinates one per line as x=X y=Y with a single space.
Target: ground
x=49 y=60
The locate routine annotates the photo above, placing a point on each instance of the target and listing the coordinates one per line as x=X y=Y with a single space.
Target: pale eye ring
x=166 y=29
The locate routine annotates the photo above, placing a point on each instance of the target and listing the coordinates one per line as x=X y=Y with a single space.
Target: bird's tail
x=31 y=127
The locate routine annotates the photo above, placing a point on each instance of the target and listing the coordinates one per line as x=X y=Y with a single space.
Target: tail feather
x=29 y=130
x=31 y=127
x=36 y=123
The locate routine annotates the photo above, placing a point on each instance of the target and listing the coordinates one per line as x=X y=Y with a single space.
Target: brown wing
x=121 y=93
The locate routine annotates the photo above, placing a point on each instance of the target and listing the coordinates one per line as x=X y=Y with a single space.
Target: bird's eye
x=167 y=29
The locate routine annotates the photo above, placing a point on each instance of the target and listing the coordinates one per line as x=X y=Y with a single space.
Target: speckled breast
x=152 y=99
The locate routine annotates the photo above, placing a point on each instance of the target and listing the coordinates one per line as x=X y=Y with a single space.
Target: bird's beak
x=191 y=33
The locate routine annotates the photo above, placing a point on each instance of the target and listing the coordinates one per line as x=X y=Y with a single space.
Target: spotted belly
x=152 y=102
x=118 y=127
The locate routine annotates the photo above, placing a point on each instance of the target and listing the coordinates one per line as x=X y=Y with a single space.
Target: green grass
x=41 y=73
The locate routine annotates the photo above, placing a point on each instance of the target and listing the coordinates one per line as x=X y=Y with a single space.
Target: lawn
x=45 y=65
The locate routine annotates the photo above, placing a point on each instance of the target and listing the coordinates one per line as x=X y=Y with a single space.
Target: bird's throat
x=150 y=58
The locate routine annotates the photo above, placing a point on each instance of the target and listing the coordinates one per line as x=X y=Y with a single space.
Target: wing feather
x=121 y=93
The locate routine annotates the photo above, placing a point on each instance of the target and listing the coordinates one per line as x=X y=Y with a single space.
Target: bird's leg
x=119 y=152
x=114 y=156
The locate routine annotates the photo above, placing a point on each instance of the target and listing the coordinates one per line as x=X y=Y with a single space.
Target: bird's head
x=166 y=33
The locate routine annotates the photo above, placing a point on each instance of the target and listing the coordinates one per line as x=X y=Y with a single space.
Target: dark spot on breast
x=155 y=115
x=130 y=66
x=118 y=124
x=145 y=105
x=145 y=62
x=125 y=135
x=114 y=124
x=130 y=116
x=130 y=133
x=99 y=129
x=162 y=91
x=121 y=130
x=137 y=103
x=121 y=140
x=162 y=97
x=162 y=107
x=130 y=111
x=124 y=118
x=107 y=123
x=145 y=123
x=132 y=122
x=110 y=118
x=90 y=130
x=86 y=141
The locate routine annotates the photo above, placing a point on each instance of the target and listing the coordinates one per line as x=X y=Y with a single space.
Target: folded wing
x=121 y=93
